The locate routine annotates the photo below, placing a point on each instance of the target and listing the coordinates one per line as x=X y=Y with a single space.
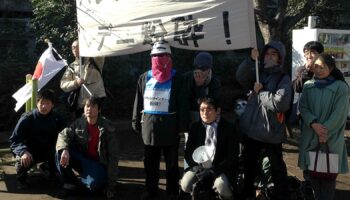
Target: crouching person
x=90 y=147
x=218 y=135
x=34 y=138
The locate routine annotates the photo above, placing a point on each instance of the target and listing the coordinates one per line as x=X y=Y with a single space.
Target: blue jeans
x=93 y=174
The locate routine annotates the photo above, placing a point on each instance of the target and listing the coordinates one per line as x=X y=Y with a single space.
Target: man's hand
x=206 y=178
x=79 y=81
x=26 y=159
x=321 y=131
x=65 y=158
x=258 y=87
x=254 y=54
x=205 y=174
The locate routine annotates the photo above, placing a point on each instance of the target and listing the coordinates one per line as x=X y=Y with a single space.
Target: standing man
x=89 y=74
x=156 y=115
x=263 y=121
x=302 y=74
x=34 y=137
x=90 y=147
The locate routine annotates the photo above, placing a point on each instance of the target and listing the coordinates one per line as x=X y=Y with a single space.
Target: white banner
x=118 y=27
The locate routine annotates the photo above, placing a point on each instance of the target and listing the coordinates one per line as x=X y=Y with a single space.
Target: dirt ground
x=131 y=180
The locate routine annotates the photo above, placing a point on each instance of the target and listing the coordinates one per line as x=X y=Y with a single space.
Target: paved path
x=131 y=174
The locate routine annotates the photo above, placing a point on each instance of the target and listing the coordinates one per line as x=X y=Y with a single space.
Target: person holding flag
x=86 y=80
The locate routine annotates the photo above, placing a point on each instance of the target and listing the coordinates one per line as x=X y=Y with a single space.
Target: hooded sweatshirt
x=259 y=120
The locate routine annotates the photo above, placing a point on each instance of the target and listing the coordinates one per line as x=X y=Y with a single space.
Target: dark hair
x=47 y=94
x=313 y=45
x=94 y=101
x=329 y=61
x=208 y=100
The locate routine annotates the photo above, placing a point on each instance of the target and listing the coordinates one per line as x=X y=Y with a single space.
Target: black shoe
x=64 y=193
x=148 y=196
x=173 y=197
x=21 y=185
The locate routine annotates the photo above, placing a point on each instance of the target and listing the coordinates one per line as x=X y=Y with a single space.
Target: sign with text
x=119 y=27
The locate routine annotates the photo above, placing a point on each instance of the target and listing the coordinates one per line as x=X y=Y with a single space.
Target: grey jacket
x=259 y=120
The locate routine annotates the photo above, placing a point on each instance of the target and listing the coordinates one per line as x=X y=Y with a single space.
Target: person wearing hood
x=263 y=122
x=157 y=115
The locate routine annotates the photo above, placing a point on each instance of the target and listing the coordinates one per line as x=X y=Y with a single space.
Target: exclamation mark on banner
x=226 y=27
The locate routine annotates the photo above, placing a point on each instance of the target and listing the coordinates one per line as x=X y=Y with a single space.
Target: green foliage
x=54 y=20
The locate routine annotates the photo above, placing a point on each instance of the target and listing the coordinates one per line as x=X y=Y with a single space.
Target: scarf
x=322 y=83
x=161 y=68
x=211 y=136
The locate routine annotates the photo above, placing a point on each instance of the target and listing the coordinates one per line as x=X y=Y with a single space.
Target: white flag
x=48 y=66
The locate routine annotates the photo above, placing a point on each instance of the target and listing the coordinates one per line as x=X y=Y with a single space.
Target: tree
x=276 y=18
x=55 y=20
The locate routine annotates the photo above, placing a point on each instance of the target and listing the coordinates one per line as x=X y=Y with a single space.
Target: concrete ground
x=131 y=173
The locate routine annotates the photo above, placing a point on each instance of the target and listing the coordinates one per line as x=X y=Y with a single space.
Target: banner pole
x=28 y=103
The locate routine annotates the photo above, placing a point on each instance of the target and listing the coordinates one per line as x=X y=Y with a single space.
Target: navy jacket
x=36 y=132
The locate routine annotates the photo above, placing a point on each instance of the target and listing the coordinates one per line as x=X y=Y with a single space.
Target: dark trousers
x=152 y=156
x=40 y=155
x=93 y=174
x=252 y=154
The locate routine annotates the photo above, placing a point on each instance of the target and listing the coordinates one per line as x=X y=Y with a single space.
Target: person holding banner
x=90 y=146
x=324 y=106
x=86 y=80
x=34 y=137
x=263 y=121
x=219 y=135
x=157 y=115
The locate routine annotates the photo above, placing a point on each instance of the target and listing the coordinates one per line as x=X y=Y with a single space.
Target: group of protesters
x=169 y=105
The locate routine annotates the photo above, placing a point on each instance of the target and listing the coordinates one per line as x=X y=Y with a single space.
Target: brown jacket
x=90 y=73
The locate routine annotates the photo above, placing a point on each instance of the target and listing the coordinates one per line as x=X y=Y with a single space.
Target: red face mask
x=161 y=68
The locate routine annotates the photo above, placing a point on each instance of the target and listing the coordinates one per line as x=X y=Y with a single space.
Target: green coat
x=330 y=106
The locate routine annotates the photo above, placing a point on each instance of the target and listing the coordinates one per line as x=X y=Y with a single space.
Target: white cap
x=160 y=47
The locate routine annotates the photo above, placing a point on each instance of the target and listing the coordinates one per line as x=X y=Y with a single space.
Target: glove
x=197 y=169
x=206 y=178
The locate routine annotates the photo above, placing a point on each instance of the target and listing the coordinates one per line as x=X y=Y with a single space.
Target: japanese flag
x=49 y=64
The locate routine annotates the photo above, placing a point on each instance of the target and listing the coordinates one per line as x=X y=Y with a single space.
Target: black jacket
x=157 y=129
x=227 y=147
